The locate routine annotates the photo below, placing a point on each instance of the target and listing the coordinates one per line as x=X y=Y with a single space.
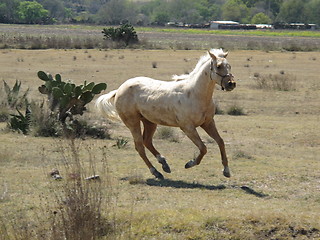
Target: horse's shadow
x=182 y=184
x=186 y=185
x=253 y=192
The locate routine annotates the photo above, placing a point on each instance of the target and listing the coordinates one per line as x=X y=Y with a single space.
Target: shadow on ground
x=253 y=192
x=186 y=185
x=182 y=184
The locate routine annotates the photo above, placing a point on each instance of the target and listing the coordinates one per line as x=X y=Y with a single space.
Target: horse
x=185 y=102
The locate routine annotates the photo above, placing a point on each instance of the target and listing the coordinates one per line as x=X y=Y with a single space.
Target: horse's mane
x=201 y=62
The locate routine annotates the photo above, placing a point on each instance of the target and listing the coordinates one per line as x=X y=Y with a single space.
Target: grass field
x=80 y=36
x=273 y=149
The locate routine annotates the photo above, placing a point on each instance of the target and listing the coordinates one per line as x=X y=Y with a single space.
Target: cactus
x=70 y=98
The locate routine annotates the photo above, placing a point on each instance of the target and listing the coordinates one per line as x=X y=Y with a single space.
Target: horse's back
x=148 y=98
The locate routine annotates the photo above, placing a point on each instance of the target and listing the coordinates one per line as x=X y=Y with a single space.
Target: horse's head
x=221 y=70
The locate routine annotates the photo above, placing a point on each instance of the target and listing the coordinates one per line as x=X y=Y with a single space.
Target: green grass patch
x=264 y=33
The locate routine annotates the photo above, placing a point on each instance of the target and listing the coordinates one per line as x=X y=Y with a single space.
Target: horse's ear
x=226 y=54
x=214 y=57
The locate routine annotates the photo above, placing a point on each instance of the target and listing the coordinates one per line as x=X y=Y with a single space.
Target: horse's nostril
x=230 y=84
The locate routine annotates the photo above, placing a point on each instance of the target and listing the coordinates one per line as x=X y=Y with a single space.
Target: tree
x=8 y=11
x=208 y=11
x=184 y=11
x=261 y=18
x=32 y=13
x=117 y=11
x=3 y=8
x=312 y=10
x=161 y=18
x=292 y=11
x=55 y=7
x=235 y=10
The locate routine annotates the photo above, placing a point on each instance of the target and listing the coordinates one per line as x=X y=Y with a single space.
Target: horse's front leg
x=212 y=131
x=193 y=135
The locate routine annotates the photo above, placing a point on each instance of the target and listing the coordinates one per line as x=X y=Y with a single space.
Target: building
x=224 y=25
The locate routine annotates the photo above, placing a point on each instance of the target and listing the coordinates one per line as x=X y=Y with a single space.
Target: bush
x=235 y=111
x=14 y=97
x=125 y=33
x=81 y=128
x=121 y=143
x=280 y=81
x=80 y=200
x=167 y=133
x=79 y=206
x=19 y=122
x=46 y=120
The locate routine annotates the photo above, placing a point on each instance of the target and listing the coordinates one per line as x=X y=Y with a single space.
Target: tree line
x=158 y=12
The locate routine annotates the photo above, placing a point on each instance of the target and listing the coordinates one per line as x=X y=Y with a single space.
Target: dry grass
x=279 y=82
x=273 y=151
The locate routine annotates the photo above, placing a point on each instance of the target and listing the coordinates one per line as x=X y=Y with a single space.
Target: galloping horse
x=185 y=102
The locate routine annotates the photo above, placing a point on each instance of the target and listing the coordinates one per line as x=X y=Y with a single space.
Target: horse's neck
x=202 y=85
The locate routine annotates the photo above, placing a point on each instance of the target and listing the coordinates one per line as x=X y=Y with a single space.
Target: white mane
x=201 y=62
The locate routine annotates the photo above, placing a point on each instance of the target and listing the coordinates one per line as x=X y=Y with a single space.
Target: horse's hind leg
x=212 y=131
x=193 y=135
x=138 y=142
x=148 y=132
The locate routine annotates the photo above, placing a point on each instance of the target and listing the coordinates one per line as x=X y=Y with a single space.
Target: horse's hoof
x=190 y=164
x=226 y=174
x=156 y=173
x=159 y=175
x=166 y=168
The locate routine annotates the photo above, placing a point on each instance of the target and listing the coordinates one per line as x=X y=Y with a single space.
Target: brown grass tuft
x=279 y=82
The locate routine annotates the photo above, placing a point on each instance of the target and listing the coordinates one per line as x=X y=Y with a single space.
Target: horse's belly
x=160 y=117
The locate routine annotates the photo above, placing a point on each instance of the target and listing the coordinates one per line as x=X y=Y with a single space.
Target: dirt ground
x=273 y=149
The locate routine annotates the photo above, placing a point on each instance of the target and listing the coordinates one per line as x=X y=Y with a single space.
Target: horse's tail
x=105 y=105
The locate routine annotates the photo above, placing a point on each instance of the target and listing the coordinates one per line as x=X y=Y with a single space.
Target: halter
x=222 y=76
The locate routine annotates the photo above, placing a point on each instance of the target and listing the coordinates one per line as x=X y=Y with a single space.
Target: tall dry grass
x=75 y=207
x=279 y=82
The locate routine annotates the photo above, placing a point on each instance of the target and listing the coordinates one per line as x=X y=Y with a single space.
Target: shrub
x=21 y=122
x=81 y=128
x=280 y=81
x=167 y=133
x=154 y=64
x=125 y=33
x=76 y=207
x=68 y=98
x=44 y=122
x=44 y=119
x=235 y=110
x=242 y=155
x=79 y=202
x=4 y=115
x=121 y=143
x=14 y=96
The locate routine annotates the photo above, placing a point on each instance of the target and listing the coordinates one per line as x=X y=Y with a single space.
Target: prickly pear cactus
x=70 y=99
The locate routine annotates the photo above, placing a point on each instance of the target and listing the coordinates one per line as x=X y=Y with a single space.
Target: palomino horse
x=185 y=103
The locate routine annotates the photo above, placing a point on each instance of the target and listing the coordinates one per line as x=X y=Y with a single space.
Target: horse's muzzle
x=230 y=84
